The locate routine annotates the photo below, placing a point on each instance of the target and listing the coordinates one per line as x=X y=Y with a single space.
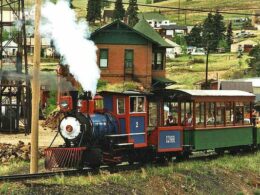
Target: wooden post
x=36 y=90
x=207 y=64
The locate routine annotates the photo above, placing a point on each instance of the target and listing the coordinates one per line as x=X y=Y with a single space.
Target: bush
x=101 y=84
x=51 y=103
x=198 y=61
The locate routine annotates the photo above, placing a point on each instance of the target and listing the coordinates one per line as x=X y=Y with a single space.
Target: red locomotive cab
x=91 y=106
x=65 y=103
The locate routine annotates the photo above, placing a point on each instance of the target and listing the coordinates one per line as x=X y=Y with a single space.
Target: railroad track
x=73 y=172
x=111 y=169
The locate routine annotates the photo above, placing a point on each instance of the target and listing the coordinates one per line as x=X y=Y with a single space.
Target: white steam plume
x=71 y=41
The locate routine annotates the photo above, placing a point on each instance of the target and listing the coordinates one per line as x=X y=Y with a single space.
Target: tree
x=93 y=10
x=132 y=11
x=105 y=4
x=195 y=36
x=180 y=40
x=254 y=62
x=207 y=32
x=5 y=35
x=219 y=30
x=229 y=36
x=119 y=11
x=213 y=30
x=71 y=5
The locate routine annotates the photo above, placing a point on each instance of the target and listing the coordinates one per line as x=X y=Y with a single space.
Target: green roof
x=151 y=16
x=144 y=27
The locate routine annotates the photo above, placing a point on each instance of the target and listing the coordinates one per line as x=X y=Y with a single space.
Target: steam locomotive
x=131 y=126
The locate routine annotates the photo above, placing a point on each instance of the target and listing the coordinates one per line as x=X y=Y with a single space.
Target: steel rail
x=19 y=177
x=112 y=169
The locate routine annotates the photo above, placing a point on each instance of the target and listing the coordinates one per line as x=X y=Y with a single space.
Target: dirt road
x=46 y=135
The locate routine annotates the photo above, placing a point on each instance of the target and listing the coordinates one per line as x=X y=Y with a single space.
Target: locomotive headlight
x=64 y=104
x=70 y=128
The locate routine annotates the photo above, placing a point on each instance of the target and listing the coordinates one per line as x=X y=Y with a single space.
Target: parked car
x=198 y=51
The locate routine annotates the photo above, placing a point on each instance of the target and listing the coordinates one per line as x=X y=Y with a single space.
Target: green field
x=187 y=70
x=223 y=175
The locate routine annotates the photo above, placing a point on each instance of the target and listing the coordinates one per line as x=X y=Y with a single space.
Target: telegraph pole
x=179 y=10
x=207 y=64
x=36 y=90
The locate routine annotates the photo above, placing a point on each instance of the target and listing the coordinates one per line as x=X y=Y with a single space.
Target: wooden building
x=131 y=54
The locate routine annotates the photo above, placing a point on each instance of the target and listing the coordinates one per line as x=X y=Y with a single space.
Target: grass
x=224 y=175
x=191 y=17
x=187 y=70
x=18 y=167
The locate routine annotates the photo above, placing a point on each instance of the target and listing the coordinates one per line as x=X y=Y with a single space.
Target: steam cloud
x=71 y=40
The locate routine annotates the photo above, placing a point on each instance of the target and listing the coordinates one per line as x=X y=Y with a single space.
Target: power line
x=186 y=9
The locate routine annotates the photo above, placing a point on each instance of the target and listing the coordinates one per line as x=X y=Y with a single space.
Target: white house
x=172 y=52
x=46 y=48
x=10 y=49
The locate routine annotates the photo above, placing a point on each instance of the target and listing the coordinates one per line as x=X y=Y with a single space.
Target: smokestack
x=88 y=95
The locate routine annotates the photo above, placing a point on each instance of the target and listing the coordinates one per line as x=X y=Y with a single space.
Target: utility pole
x=207 y=63
x=179 y=10
x=36 y=90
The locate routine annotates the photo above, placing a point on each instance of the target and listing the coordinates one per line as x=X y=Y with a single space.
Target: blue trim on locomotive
x=108 y=103
x=169 y=139
x=137 y=125
x=122 y=125
x=103 y=125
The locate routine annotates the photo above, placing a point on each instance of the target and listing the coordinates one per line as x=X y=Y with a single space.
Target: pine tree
x=119 y=11
x=213 y=30
x=229 y=36
x=207 y=32
x=93 y=10
x=195 y=36
x=219 y=29
x=254 y=62
x=98 y=9
x=132 y=11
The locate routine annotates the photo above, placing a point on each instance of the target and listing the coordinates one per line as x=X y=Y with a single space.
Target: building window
x=103 y=58
x=129 y=58
x=137 y=104
x=157 y=61
x=120 y=106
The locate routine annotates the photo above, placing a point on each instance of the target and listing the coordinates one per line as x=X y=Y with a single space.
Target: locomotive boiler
x=88 y=124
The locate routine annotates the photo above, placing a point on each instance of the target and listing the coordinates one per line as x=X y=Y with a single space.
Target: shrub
x=198 y=61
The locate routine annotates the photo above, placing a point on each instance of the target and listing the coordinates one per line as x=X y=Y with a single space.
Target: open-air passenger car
x=220 y=120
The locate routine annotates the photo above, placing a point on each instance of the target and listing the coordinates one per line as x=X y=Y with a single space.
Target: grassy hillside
x=240 y=6
x=190 y=18
x=186 y=70
x=225 y=175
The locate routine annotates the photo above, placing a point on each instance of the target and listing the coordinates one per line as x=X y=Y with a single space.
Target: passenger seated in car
x=171 y=120
x=211 y=119
x=188 y=120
